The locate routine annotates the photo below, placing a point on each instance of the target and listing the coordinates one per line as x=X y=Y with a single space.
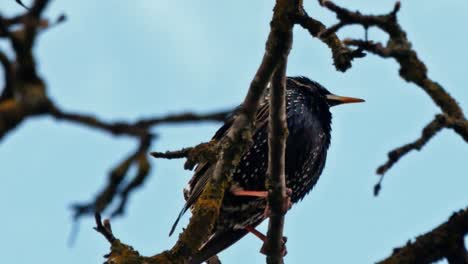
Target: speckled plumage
x=309 y=121
x=309 y=137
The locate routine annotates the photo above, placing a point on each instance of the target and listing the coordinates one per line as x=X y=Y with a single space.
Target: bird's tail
x=217 y=243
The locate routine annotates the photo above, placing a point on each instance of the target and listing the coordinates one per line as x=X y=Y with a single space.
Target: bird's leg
x=262 y=237
x=238 y=191
x=259 y=194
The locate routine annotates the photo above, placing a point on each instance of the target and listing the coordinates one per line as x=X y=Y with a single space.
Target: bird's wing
x=201 y=176
x=217 y=243
x=203 y=171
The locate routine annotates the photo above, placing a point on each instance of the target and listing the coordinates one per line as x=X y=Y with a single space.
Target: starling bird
x=243 y=208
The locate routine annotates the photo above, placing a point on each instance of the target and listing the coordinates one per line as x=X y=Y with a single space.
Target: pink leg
x=256 y=233
x=237 y=191
x=240 y=192
x=262 y=237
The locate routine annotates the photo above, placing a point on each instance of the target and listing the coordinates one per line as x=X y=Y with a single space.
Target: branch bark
x=412 y=69
x=444 y=241
x=342 y=55
x=231 y=147
x=431 y=129
x=278 y=133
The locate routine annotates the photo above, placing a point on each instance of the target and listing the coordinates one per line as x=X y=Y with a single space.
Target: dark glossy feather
x=217 y=243
x=203 y=171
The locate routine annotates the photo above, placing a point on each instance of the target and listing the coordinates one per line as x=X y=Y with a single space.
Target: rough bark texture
x=278 y=133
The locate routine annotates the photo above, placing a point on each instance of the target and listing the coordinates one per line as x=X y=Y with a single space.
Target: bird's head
x=319 y=90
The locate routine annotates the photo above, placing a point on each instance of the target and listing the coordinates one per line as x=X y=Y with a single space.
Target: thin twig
x=428 y=132
x=206 y=152
x=116 y=178
x=117 y=128
x=177 y=154
x=142 y=174
x=138 y=128
x=184 y=118
x=22 y=4
x=412 y=69
x=342 y=55
x=104 y=228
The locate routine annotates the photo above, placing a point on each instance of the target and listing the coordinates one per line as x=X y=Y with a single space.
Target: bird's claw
x=264 y=250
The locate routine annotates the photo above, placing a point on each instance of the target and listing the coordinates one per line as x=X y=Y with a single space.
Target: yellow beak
x=343 y=99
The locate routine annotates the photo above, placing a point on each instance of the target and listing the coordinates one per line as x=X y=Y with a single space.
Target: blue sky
x=124 y=61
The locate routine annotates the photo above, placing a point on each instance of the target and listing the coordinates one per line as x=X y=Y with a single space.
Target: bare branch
x=104 y=228
x=143 y=172
x=233 y=145
x=373 y=47
x=460 y=126
x=137 y=128
x=201 y=153
x=342 y=55
x=184 y=118
x=428 y=132
x=33 y=100
x=412 y=69
x=117 y=128
x=22 y=4
x=387 y=22
x=116 y=177
x=445 y=241
x=176 y=154
x=239 y=136
x=38 y=7
x=278 y=133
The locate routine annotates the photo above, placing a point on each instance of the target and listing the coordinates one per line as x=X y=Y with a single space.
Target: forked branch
x=412 y=69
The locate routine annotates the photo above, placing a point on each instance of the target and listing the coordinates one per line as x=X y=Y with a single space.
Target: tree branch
x=104 y=228
x=428 y=132
x=138 y=128
x=412 y=69
x=278 y=133
x=342 y=55
x=202 y=153
x=176 y=154
x=183 y=118
x=31 y=99
x=233 y=144
x=445 y=241
x=117 y=128
x=116 y=177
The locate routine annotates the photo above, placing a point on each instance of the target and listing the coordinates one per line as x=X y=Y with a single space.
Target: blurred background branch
x=24 y=96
